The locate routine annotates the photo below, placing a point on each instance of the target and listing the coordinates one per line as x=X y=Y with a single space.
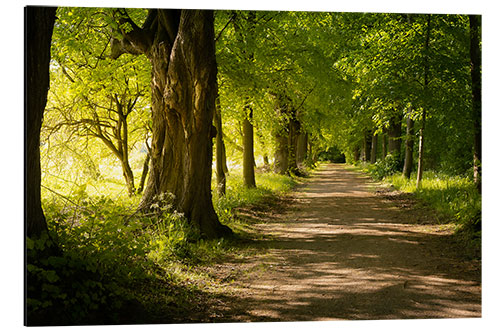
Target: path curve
x=341 y=251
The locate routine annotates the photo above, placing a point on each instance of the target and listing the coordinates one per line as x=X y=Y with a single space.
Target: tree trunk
x=373 y=155
x=420 y=168
x=367 y=146
x=145 y=170
x=265 y=159
x=39 y=27
x=409 y=142
x=475 y=60
x=356 y=153
x=281 y=152
x=384 y=145
x=394 y=134
x=281 y=137
x=293 y=133
x=180 y=46
x=248 y=155
x=224 y=158
x=128 y=175
x=219 y=151
x=301 y=148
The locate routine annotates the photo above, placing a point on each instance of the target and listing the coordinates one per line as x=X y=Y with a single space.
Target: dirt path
x=342 y=251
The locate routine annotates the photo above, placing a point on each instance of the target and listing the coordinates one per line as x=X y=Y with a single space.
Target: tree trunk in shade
x=409 y=142
x=475 y=60
x=39 y=27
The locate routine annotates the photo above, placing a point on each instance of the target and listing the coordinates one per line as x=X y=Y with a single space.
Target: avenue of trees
x=144 y=123
x=184 y=89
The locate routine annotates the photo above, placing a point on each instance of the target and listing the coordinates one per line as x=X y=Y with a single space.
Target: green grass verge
x=454 y=197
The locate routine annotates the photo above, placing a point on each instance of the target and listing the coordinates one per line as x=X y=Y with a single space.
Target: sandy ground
x=341 y=249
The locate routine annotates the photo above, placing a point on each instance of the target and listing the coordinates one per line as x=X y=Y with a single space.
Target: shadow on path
x=342 y=252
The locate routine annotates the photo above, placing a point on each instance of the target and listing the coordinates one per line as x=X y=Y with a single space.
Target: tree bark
x=356 y=153
x=129 y=176
x=409 y=142
x=281 y=137
x=248 y=151
x=384 y=145
x=367 y=146
x=301 y=147
x=281 y=153
x=39 y=27
x=145 y=170
x=394 y=134
x=475 y=68
x=293 y=133
x=219 y=151
x=224 y=159
x=373 y=155
x=181 y=48
x=420 y=168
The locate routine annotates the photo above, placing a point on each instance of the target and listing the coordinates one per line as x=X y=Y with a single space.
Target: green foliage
x=70 y=287
x=332 y=154
x=342 y=75
x=388 y=166
x=107 y=249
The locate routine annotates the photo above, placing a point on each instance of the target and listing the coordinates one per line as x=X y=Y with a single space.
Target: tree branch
x=135 y=39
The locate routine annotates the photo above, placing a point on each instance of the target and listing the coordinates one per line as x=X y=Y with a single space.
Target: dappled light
x=187 y=166
x=356 y=267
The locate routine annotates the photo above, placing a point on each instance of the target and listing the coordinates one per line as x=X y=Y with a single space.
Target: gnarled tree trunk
x=180 y=46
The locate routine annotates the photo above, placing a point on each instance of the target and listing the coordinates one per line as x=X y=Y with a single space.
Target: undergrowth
x=108 y=253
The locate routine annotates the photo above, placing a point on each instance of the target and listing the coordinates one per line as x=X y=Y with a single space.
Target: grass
x=115 y=261
x=455 y=198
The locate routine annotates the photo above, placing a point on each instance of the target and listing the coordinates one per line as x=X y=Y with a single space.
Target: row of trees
x=281 y=86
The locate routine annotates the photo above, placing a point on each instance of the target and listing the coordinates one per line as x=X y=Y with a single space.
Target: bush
x=106 y=249
x=69 y=287
x=390 y=165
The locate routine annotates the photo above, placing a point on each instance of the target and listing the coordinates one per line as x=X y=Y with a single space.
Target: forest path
x=341 y=250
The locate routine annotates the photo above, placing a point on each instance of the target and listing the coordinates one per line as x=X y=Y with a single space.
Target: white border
x=12 y=130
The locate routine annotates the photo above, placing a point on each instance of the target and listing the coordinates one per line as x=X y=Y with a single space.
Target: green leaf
x=51 y=276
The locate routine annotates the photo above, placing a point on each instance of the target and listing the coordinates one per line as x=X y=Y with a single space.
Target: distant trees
x=95 y=97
